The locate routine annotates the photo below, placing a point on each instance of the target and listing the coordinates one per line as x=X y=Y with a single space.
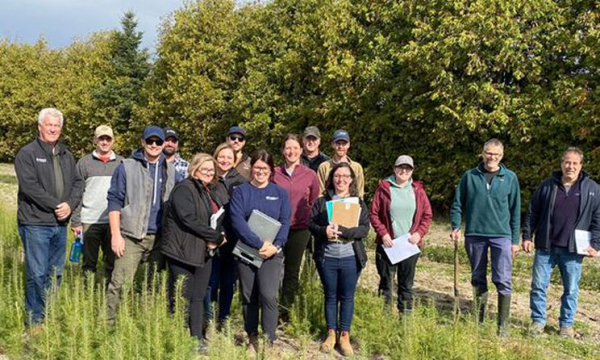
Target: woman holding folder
x=259 y=286
x=188 y=237
x=339 y=251
x=302 y=186
x=400 y=206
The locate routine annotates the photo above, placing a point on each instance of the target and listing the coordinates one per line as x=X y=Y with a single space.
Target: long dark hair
x=330 y=187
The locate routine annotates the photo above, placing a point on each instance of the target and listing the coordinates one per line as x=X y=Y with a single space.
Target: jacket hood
x=387 y=183
x=557 y=176
x=139 y=156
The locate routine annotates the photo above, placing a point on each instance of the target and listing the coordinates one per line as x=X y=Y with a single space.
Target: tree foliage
x=431 y=78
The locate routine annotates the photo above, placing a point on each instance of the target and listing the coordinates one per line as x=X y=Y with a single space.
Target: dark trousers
x=221 y=287
x=194 y=289
x=293 y=251
x=259 y=288
x=339 y=278
x=406 y=277
x=501 y=257
x=96 y=237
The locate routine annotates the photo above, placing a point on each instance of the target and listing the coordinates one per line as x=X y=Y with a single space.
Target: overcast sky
x=61 y=21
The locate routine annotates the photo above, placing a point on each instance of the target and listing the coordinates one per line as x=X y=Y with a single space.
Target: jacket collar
x=501 y=171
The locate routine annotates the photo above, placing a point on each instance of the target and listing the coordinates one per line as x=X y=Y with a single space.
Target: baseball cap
x=341 y=135
x=404 y=160
x=312 y=131
x=170 y=132
x=152 y=130
x=236 y=130
x=104 y=130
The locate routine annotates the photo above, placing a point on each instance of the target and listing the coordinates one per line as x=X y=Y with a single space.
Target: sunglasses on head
x=236 y=138
x=151 y=141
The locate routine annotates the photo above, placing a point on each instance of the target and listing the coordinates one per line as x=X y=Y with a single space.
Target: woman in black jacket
x=221 y=286
x=339 y=255
x=188 y=237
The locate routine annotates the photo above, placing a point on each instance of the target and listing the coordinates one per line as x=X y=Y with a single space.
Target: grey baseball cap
x=312 y=131
x=404 y=160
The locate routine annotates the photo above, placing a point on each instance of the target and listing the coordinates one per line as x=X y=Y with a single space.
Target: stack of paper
x=344 y=212
x=582 y=241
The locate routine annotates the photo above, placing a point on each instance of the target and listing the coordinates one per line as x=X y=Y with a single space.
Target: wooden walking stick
x=456 y=271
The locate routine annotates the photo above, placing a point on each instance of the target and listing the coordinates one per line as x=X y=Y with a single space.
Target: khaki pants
x=136 y=252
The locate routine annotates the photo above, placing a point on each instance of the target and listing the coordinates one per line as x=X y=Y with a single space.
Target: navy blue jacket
x=539 y=215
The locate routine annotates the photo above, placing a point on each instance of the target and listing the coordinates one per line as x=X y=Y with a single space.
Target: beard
x=169 y=151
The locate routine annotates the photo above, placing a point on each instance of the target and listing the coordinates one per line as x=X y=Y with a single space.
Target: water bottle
x=76 y=248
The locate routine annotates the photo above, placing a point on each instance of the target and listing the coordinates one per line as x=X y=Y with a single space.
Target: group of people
x=154 y=206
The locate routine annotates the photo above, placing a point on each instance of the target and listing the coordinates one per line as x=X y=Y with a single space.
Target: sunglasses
x=158 y=142
x=237 y=138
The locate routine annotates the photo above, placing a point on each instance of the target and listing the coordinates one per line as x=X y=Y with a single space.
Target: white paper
x=214 y=218
x=582 y=240
x=402 y=249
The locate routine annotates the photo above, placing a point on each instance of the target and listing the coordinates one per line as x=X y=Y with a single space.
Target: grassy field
x=75 y=327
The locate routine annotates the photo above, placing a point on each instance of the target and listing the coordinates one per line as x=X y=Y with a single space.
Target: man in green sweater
x=489 y=199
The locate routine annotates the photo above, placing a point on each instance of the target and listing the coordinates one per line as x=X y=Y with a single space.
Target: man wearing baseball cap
x=90 y=218
x=139 y=188
x=170 y=152
x=237 y=139
x=341 y=145
x=311 y=155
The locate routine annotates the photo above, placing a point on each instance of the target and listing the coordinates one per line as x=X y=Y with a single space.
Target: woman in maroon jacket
x=302 y=185
x=400 y=205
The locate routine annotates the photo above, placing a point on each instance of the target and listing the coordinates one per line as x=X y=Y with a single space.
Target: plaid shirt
x=181 y=168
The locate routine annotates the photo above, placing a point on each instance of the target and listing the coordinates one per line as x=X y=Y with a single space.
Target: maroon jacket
x=303 y=188
x=380 y=212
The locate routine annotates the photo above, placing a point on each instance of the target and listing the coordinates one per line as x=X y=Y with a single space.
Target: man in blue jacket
x=139 y=187
x=489 y=199
x=49 y=190
x=565 y=205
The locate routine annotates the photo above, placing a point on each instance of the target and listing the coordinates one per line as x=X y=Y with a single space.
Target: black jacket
x=37 y=197
x=232 y=180
x=319 y=222
x=186 y=227
x=539 y=215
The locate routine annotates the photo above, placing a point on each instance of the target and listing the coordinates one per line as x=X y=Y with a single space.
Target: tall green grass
x=76 y=327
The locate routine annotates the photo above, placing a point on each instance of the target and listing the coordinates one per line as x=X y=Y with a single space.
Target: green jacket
x=493 y=212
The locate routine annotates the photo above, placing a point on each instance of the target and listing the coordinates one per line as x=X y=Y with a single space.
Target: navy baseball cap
x=341 y=135
x=151 y=131
x=236 y=130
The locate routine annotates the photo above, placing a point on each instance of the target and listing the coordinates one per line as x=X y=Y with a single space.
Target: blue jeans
x=339 y=278
x=45 y=253
x=221 y=287
x=569 y=265
x=501 y=256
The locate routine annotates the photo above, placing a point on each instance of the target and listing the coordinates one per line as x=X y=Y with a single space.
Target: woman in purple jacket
x=302 y=186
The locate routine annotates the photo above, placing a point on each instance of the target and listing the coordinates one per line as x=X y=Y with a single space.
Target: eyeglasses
x=489 y=154
x=404 y=168
x=261 y=169
x=237 y=138
x=158 y=142
x=207 y=171
x=342 y=177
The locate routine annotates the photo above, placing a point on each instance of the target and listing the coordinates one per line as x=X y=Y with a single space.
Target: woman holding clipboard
x=259 y=286
x=400 y=205
x=339 y=254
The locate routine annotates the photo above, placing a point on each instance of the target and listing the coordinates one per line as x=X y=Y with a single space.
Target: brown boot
x=345 y=347
x=329 y=342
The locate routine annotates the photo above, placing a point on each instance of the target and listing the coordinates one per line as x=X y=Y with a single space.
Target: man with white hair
x=50 y=189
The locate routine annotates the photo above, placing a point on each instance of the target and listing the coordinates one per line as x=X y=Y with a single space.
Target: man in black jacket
x=49 y=189
x=564 y=209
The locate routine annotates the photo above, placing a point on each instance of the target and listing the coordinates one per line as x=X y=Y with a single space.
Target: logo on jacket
x=40 y=160
x=272 y=198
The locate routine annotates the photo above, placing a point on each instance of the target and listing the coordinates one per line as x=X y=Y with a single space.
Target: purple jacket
x=303 y=189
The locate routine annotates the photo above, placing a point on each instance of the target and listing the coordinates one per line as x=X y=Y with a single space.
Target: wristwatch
x=278 y=248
